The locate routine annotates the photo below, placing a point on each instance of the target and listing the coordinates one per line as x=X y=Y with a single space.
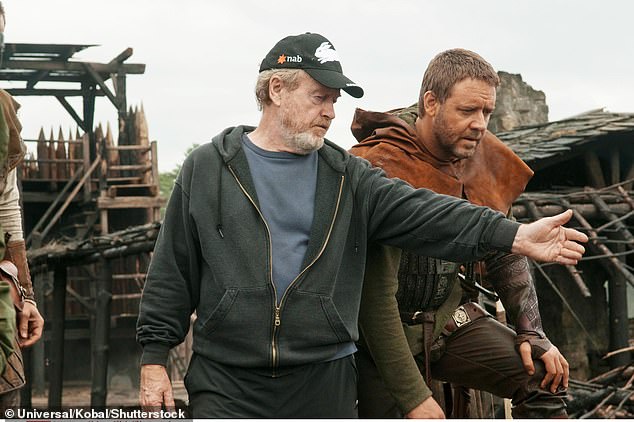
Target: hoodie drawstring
x=219 y=204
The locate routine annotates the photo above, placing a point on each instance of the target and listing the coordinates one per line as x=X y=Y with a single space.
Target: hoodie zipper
x=277 y=321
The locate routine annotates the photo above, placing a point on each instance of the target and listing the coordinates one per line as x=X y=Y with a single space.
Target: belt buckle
x=460 y=316
x=415 y=316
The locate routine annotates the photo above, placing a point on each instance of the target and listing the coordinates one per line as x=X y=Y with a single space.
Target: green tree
x=167 y=179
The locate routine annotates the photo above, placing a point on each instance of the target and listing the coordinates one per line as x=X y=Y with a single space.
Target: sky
x=202 y=56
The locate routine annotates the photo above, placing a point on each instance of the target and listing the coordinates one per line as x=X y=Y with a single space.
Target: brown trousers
x=479 y=355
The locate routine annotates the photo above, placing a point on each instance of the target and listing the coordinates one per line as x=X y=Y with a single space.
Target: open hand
x=547 y=240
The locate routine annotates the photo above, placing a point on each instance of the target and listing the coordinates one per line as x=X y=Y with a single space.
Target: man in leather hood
x=29 y=321
x=265 y=238
x=442 y=144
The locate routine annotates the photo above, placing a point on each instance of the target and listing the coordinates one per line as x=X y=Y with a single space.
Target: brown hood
x=494 y=176
x=16 y=148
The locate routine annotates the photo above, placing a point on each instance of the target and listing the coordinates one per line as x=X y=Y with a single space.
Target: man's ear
x=430 y=103
x=276 y=86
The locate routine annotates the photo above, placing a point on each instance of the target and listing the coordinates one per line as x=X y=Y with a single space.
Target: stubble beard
x=447 y=139
x=302 y=143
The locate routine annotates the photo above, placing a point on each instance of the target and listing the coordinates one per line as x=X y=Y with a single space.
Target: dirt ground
x=78 y=395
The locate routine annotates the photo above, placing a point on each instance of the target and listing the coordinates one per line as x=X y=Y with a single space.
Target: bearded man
x=418 y=318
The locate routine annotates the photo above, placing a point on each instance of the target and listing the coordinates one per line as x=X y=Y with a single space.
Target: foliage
x=167 y=179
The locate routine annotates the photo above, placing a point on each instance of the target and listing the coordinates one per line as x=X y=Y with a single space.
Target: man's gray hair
x=288 y=77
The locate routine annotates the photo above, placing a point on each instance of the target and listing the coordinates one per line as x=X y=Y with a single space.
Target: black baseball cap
x=314 y=54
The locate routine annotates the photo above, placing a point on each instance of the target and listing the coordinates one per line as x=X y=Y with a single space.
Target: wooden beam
x=587 y=210
x=69 y=108
x=101 y=337
x=593 y=170
x=36 y=78
x=97 y=78
x=131 y=68
x=104 y=202
x=123 y=56
x=25 y=92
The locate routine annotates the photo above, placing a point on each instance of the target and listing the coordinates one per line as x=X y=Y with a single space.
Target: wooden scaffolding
x=77 y=190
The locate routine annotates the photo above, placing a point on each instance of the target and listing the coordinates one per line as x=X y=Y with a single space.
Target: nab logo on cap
x=284 y=58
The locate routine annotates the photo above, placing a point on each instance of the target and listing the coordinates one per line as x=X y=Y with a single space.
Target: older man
x=265 y=237
x=442 y=144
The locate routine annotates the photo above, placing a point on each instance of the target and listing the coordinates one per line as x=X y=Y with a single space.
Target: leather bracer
x=16 y=253
x=510 y=276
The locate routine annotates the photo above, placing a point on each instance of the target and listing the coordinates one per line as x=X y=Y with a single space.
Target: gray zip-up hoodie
x=213 y=256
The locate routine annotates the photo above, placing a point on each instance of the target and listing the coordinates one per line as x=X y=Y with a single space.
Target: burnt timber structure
x=80 y=191
x=585 y=163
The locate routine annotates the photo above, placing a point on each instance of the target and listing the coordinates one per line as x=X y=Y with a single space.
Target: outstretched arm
x=547 y=240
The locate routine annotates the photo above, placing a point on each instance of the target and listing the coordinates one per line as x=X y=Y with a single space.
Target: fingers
x=155 y=389
x=168 y=398
x=23 y=323
x=557 y=370
x=566 y=367
x=30 y=325
x=570 y=253
x=551 y=371
x=562 y=218
x=559 y=373
x=527 y=359
x=576 y=235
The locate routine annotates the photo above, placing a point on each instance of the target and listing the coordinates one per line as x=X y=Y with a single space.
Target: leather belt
x=463 y=315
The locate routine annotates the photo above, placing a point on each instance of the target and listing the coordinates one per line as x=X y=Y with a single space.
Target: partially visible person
x=265 y=238
x=29 y=321
x=442 y=144
x=7 y=324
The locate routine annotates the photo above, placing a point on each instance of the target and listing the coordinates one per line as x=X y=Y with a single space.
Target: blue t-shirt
x=286 y=185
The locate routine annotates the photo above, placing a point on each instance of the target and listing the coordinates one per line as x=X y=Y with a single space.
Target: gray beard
x=305 y=143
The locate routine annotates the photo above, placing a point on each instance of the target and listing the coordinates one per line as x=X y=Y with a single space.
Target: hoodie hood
x=494 y=176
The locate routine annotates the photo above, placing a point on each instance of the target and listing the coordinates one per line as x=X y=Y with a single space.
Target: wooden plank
x=142 y=167
x=105 y=68
x=25 y=92
x=129 y=202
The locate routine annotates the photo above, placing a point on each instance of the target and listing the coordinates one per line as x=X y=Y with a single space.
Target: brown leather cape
x=494 y=176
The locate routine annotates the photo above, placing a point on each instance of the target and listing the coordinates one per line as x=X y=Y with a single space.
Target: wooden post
x=101 y=337
x=593 y=170
x=42 y=155
x=89 y=95
x=57 y=340
x=38 y=360
x=87 y=162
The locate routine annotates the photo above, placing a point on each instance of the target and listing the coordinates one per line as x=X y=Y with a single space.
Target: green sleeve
x=7 y=324
x=382 y=331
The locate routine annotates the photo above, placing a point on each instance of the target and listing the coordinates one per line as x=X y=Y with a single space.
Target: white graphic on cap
x=325 y=53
